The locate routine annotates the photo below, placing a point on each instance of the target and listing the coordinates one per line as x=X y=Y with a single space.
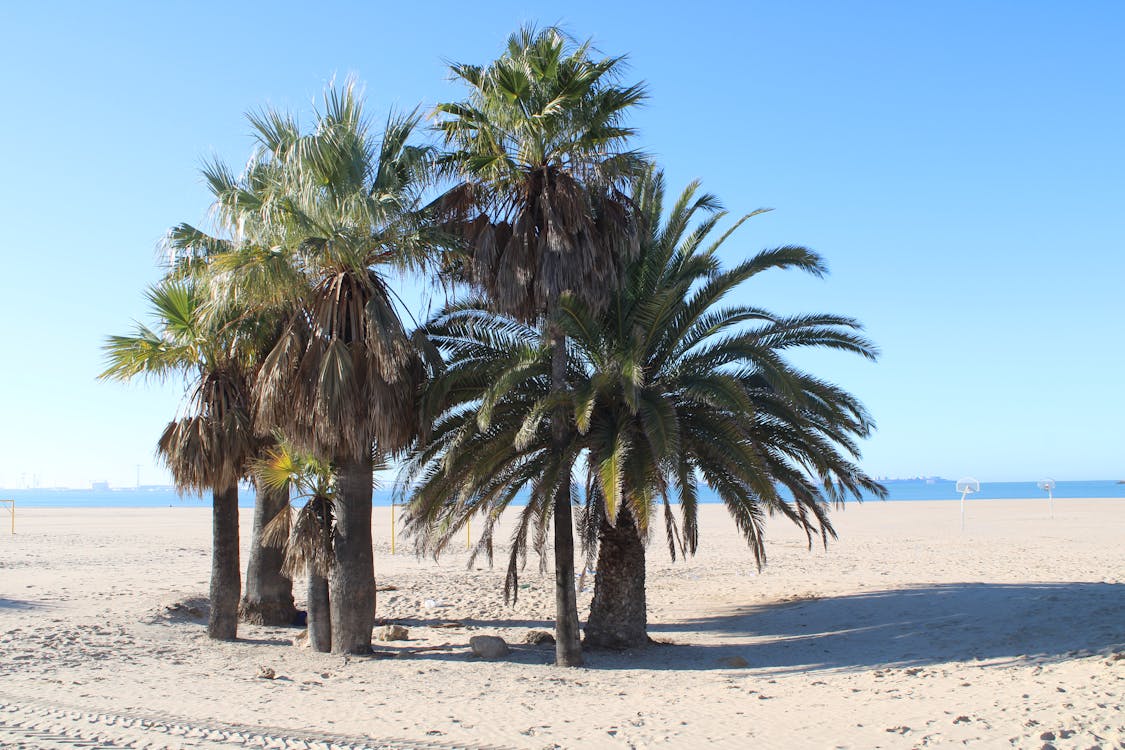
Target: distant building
x=99 y=486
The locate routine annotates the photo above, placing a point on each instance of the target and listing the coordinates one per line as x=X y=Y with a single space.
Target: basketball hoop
x=1048 y=486
x=966 y=486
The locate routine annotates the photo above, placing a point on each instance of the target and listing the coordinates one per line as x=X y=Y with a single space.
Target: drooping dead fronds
x=211 y=446
x=344 y=372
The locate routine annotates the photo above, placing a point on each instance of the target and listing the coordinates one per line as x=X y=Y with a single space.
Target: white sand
x=904 y=633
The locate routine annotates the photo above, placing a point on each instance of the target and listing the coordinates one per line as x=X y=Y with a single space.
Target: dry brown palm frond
x=306 y=536
x=555 y=236
x=344 y=372
x=212 y=446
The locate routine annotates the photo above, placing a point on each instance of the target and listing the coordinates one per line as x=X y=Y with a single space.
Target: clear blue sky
x=961 y=165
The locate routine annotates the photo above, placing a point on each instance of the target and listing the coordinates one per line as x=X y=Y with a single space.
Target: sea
x=899 y=489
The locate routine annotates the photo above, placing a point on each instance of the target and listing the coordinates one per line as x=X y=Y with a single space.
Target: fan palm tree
x=539 y=153
x=337 y=210
x=268 y=595
x=666 y=389
x=206 y=449
x=304 y=535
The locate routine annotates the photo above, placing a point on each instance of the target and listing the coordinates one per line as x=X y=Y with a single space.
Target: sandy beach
x=904 y=633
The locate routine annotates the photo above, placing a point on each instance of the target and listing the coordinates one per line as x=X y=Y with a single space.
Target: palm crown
x=666 y=388
x=316 y=220
x=210 y=445
x=539 y=150
x=675 y=388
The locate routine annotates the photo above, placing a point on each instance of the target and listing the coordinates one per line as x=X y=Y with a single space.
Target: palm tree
x=666 y=389
x=491 y=443
x=304 y=536
x=208 y=447
x=337 y=210
x=268 y=595
x=676 y=388
x=539 y=153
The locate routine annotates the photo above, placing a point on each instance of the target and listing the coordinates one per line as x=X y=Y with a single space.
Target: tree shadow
x=914 y=626
x=467 y=622
x=20 y=604
x=264 y=641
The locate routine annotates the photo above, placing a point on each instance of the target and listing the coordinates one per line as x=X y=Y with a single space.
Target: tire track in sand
x=34 y=725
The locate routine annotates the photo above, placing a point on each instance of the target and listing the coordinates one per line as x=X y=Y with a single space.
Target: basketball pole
x=1048 y=486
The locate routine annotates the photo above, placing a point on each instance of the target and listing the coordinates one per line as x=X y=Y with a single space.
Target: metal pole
x=392 y=526
x=963 y=510
x=1051 y=502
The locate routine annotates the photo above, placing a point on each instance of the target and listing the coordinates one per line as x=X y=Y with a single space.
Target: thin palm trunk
x=352 y=579
x=618 y=616
x=319 y=612
x=226 y=583
x=568 y=645
x=269 y=594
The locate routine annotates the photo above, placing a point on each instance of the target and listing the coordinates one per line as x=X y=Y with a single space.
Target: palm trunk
x=568 y=646
x=352 y=579
x=618 y=616
x=269 y=594
x=319 y=614
x=226 y=584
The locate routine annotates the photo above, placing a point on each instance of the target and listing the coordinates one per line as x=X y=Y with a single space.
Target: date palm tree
x=666 y=388
x=335 y=211
x=208 y=447
x=490 y=445
x=539 y=153
x=678 y=389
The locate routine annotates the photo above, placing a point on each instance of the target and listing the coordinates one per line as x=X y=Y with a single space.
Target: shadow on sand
x=19 y=604
x=474 y=622
x=898 y=628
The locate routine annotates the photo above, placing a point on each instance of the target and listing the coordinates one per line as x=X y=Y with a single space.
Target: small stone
x=1048 y=746
x=1047 y=736
x=266 y=673
x=392 y=633
x=961 y=720
x=489 y=646
x=539 y=638
x=734 y=661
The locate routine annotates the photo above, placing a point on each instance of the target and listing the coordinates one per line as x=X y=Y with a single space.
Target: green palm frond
x=315 y=220
x=667 y=389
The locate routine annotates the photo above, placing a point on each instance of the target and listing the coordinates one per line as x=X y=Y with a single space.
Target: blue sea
x=900 y=489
